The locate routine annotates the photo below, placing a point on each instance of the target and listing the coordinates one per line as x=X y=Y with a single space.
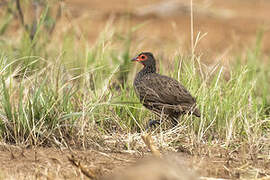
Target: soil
x=52 y=163
x=55 y=163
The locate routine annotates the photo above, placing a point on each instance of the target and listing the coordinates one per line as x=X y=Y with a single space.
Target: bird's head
x=146 y=59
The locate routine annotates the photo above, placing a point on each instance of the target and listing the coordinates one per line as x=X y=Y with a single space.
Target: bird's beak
x=135 y=59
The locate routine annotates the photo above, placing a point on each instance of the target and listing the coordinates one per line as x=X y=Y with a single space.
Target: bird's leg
x=152 y=123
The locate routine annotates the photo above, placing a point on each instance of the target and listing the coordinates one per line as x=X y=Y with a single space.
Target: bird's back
x=156 y=91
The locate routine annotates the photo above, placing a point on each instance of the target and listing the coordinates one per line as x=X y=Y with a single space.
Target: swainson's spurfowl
x=162 y=94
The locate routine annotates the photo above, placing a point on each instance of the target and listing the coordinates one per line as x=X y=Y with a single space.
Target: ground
x=53 y=163
x=231 y=26
x=56 y=163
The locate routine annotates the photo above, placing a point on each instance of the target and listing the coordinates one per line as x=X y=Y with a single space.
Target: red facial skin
x=141 y=58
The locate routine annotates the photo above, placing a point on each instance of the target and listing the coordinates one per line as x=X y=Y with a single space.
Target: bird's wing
x=162 y=89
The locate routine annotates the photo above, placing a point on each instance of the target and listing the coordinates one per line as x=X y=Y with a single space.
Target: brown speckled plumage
x=162 y=94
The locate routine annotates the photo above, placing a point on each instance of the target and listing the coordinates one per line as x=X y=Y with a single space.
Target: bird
x=163 y=95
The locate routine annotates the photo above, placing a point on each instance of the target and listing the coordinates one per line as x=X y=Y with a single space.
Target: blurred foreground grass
x=55 y=90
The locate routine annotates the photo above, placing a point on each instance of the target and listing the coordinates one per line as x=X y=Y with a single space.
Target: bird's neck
x=147 y=70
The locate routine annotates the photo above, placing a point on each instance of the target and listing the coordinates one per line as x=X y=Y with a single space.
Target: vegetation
x=55 y=90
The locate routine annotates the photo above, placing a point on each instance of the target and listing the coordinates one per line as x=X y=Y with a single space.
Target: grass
x=54 y=94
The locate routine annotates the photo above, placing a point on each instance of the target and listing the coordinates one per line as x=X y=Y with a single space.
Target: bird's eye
x=143 y=57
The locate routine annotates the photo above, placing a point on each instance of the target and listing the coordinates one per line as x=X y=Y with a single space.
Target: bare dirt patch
x=203 y=161
x=54 y=163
